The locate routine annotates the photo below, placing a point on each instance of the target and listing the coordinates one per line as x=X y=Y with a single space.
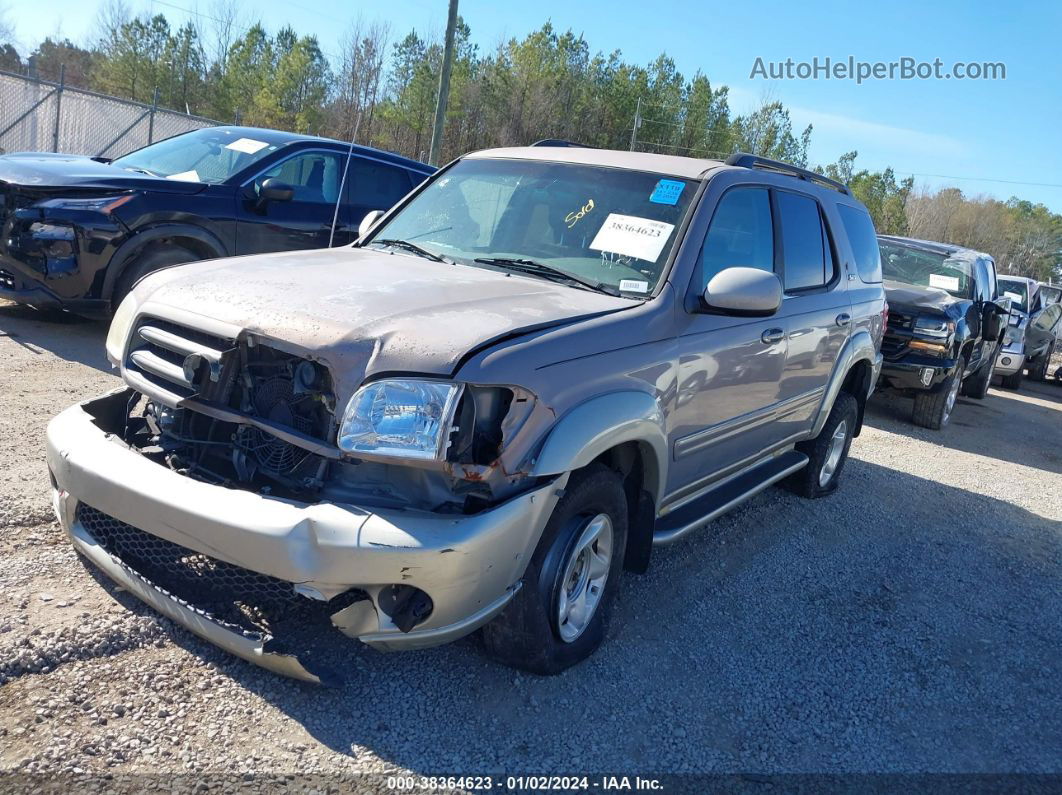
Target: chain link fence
x=41 y=116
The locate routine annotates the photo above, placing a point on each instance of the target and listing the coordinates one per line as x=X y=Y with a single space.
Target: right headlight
x=118 y=333
x=400 y=418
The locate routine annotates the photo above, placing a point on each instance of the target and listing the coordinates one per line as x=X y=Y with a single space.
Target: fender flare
x=857 y=348
x=146 y=236
x=601 y=423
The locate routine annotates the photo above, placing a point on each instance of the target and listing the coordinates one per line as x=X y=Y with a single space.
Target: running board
x=727 y=495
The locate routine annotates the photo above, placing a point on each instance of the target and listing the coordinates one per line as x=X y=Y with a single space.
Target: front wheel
x=976 y=386
x=933 y=409
x=1012 y=381
x=560 y=614
x=827 y=452
x=1038 y=371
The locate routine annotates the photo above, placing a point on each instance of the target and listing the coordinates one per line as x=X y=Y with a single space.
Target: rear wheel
x=933 y=409
x=827 y=452
x=151 y=259
x=560 y=614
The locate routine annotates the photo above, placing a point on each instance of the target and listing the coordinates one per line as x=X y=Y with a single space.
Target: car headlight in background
x=104 y=204
x=118 y=333
x=932 y=326
x=399 y=417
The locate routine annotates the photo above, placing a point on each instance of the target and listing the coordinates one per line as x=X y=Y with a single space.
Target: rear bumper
x=469 y=566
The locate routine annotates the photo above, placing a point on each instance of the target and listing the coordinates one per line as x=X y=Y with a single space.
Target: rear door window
x=376 y=186
x=806 y=256
x=864 y=241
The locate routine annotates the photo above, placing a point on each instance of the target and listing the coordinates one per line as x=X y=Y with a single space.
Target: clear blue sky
x=989 y=133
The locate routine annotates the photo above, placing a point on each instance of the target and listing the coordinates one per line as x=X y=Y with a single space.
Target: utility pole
x=637 y=123
x=444 y=85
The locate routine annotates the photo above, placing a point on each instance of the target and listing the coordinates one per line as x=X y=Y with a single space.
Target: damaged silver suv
x=535 y=367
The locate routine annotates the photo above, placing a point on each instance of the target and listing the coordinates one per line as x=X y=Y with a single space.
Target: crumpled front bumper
x=469 y=565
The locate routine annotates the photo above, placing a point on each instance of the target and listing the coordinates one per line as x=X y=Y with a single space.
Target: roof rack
x=745 y=160
x=560 y=142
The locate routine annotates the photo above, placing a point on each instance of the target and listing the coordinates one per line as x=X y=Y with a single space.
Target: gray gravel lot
x=910 y=622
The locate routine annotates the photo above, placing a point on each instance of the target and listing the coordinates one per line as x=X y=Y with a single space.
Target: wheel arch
x=205 y=244
x=625 y=431
x=854 y=369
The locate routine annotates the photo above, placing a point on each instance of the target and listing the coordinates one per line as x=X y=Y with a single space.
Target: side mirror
x=367 y=222
x=744 y=291
x=273 y=190
x=993 y=321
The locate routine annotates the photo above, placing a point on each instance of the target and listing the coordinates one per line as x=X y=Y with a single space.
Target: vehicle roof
x=283 y=138
x=1012 y=278
x=671 y=165
x=934 y=247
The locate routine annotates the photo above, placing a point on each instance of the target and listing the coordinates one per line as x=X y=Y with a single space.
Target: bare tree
x=360 y=79
x=225 y=26
x=110 y=18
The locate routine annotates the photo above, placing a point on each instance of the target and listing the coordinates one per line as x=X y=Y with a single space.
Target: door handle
x=843 y=319
x=772 y=335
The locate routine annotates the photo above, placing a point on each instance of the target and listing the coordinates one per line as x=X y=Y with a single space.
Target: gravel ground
x=910 y=622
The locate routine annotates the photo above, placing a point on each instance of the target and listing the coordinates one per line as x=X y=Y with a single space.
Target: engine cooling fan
x=274 y=400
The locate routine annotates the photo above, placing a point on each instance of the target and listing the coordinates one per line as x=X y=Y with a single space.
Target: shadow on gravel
x=1022 y=427
x=68 y=336
x=898 y=625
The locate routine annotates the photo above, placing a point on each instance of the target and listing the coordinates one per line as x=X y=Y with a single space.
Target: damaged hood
x=914 y=300
x=42 y=171
x=364 y=311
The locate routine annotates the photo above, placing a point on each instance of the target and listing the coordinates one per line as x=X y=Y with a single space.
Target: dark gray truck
x=537 y=366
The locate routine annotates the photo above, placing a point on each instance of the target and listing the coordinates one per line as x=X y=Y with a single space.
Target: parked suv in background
x=945 y=324
x=77 y=232
x=540 y=364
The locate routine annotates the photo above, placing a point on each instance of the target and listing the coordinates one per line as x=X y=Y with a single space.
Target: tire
x=1038 y=372
x=152 y=259
x=976 y=386
x=827 y=452
x=933 y=409
x=530 y=634
x=1013 y=381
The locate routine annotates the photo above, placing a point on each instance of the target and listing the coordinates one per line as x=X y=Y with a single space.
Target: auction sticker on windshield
x=248 y=145
x=631 y=236
x=943 y=282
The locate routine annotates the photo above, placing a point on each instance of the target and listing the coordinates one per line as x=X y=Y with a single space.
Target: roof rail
x=559 y=142
x=745 y=160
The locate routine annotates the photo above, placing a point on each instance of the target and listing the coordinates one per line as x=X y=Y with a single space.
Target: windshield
x=926 y=269
x=210 y=155
x=608 y=228
x=1018 y=292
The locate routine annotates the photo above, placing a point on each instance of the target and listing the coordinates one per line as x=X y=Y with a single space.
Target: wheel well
x=198 y=247
x=634 y=462
x=857 y=384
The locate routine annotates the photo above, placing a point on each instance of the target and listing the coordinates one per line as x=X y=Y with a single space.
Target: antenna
x=343 y=181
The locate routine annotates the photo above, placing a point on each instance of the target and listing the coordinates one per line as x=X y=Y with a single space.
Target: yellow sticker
x=571 y=219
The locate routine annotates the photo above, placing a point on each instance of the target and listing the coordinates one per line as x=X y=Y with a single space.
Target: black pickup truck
x=945 y=324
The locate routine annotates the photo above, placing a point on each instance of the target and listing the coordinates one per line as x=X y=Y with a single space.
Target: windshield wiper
x=535 y=268
x=413 y=247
